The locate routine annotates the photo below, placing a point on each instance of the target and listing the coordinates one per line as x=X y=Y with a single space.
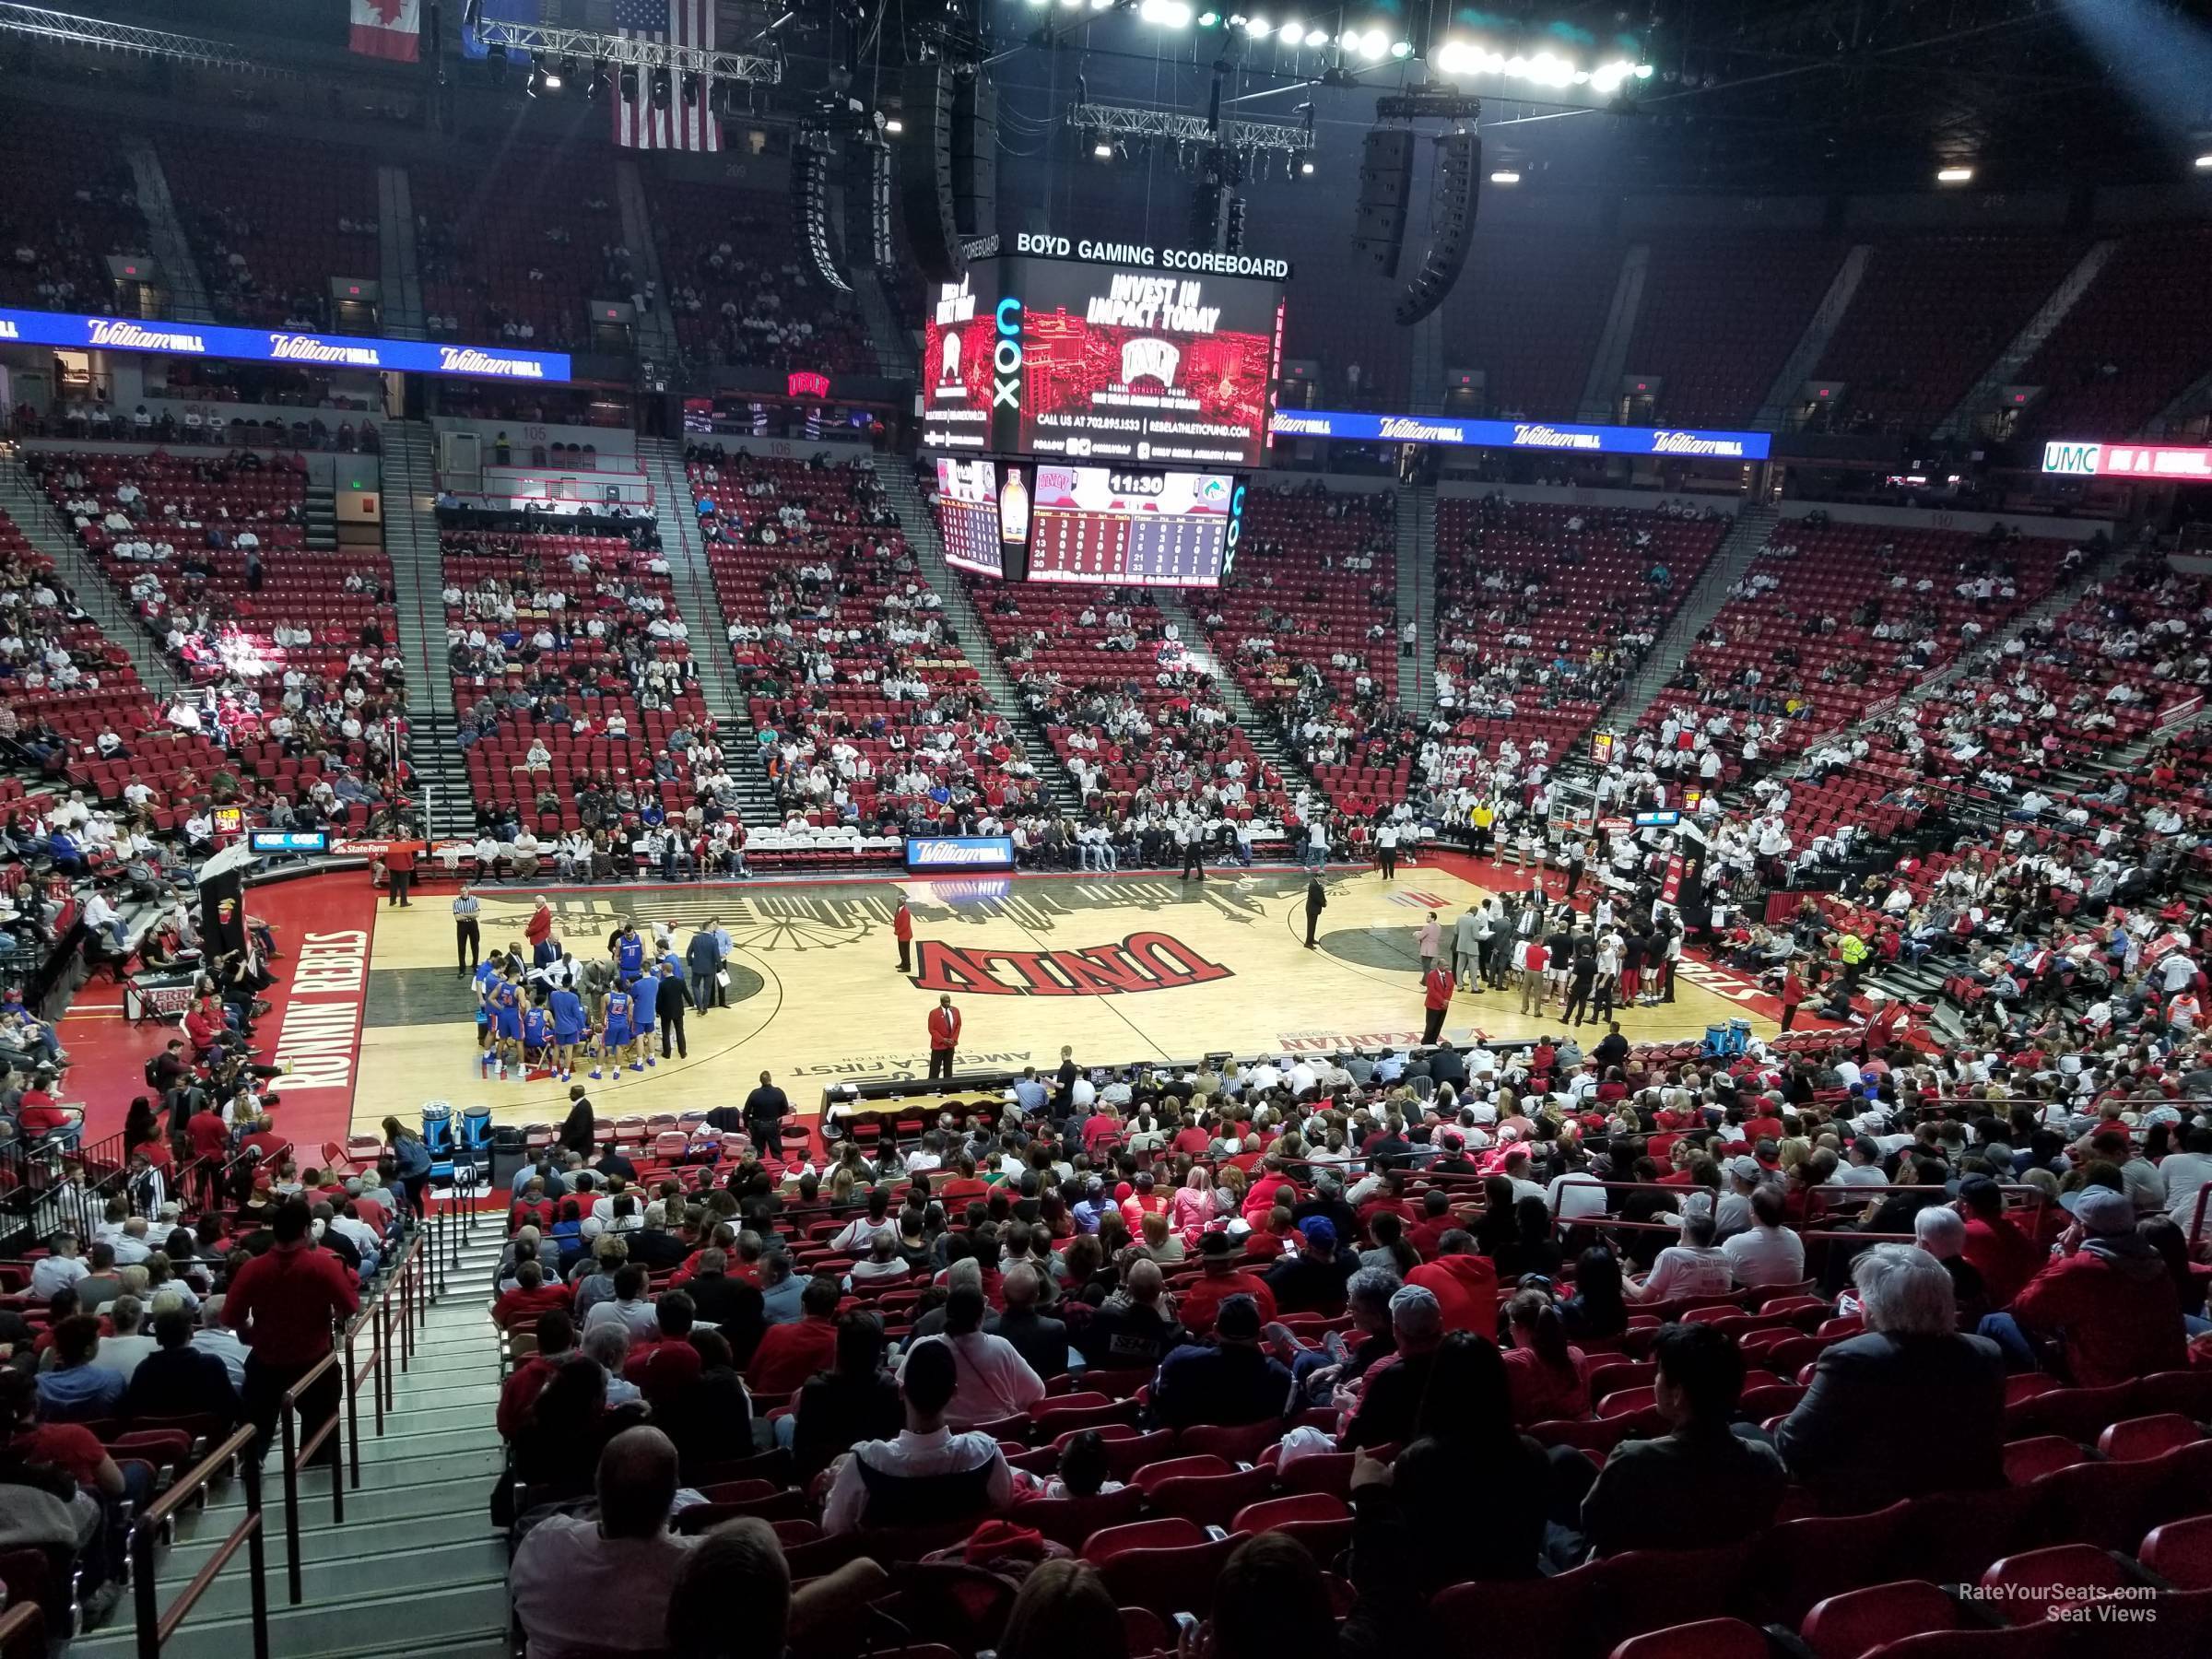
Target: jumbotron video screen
x=1132 y=527
x=1075 y=360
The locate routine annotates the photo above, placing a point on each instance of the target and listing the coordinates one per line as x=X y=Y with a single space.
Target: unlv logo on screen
x=1143 y=961
x=1150 y=360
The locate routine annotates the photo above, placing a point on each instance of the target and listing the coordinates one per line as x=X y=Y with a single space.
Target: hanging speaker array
x=948 y=164
x=1452 y=225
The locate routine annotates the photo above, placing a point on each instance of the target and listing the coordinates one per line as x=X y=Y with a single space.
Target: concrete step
x=413 y=1424
x=455 y=1486
x=350 y=1578
x=320 y=1541
x=468 y=1614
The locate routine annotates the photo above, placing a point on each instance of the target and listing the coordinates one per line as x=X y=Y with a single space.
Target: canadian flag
x=387 y=28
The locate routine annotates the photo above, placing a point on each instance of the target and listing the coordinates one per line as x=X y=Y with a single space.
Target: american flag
x=687 y=126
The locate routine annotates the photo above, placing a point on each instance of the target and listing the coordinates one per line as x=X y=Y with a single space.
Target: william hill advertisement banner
x=365 y=352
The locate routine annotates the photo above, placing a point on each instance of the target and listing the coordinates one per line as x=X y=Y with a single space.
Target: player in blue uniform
x=507 y=1027
x=486 y=976
x=629 y=954
x=567 y=1011
x=537 y=1039
x=616 y=1038
x=642 y=997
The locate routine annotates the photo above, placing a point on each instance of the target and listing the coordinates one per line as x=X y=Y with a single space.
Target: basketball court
x=1123 y=968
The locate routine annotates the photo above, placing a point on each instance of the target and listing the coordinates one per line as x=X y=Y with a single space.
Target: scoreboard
x=1132 y=528
x=968 y=515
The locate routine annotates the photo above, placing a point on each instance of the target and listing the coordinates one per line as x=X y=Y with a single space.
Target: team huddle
x=557 y=1014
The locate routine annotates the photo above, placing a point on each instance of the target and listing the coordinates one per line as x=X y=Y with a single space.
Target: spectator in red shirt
x=70 y=1447
x=556 y=1346
x=1427 y=1235
x=283 y=1302
x=38 y=1114
x=662 y=1367
x=1465 y=1284
x=265 y=1139
x=790 y=1354
x=531 y=1297
x=1542 y=1370
x=1222 y=1279
x=2106 y=1303
x=1999 y=1249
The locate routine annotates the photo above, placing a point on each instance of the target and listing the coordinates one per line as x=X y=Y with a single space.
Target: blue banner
x=959 y=852
x=279 y=346
x=1538 y=436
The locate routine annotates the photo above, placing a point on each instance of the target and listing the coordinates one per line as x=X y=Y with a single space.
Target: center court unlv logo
x=1143 y=961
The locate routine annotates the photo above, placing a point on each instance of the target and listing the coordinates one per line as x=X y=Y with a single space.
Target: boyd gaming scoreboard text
x=1081 y=362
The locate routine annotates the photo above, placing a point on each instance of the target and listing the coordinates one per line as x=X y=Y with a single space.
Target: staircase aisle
x=23 y=502
x=1266 y=740
x=417 y=1569
x=410 y=488
x=920 y=528
x=700 y=606
x=1698 y=606
x=1417 y=597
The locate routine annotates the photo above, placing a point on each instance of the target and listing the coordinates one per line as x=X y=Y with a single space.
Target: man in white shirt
x=928 y=1467
x=2183 y=1174
x=1576 y=1194
x=992 y=1379
x=58 y=1271
x=578 y=1582
x=1769 y=1252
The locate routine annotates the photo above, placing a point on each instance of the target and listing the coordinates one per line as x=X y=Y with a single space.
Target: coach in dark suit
x=1317 y=901
x=1911 y=1366
x=670 y=1002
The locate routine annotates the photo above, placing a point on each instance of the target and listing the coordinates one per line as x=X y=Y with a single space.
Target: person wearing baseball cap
x=1388 y=1397
x=2104 y=1311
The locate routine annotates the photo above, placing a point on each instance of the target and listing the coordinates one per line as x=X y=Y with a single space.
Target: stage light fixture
x=894 y=125
x=660 y=87
x=687 y=89
x=536 y=83
x=595 y=89
x=1258 y=28
x=629 y=84
x=2204 y=164
x=496 y=58
x=1317 y=37
x=1401 y=49
x=1209 y=19
x=1374 y=44
x=1505 y=176
x=1305 y=169
x=1102 y=150
x=1954 y=175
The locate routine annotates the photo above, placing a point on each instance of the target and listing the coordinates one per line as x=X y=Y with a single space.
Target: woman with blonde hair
x=1193 y=1205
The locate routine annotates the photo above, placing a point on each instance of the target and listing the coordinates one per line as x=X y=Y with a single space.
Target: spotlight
x=1167 y=14
x=1209 y=19
x=1305 y=169
x=567 y=72
x=536 y=83
x=1505 y=176
x=1401 y=49
x=1317 y=37
x=688 y=88
x=1102 y=150
x=496 y=58
x=1258 y=28
x=1292 y=33
x=660 y=87
x=629 y=84
x=2204 y=163
x=1644 y=72
x=595 y=89
x=1954 y=175
x=894 y=125
x=1373 y=44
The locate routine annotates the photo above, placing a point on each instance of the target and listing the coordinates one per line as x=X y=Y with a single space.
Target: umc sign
x=2078 y=460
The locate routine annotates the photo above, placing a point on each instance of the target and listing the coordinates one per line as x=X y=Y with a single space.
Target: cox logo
x=2076 y=458
x=1236 y=529
x=1006 y=355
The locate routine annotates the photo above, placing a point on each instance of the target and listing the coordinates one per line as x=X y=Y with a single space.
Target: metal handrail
x=418 y=1279
x=156 y=1627
x=21 y=1618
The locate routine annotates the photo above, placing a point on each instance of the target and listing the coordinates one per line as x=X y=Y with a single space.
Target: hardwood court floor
x=1125 y=969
